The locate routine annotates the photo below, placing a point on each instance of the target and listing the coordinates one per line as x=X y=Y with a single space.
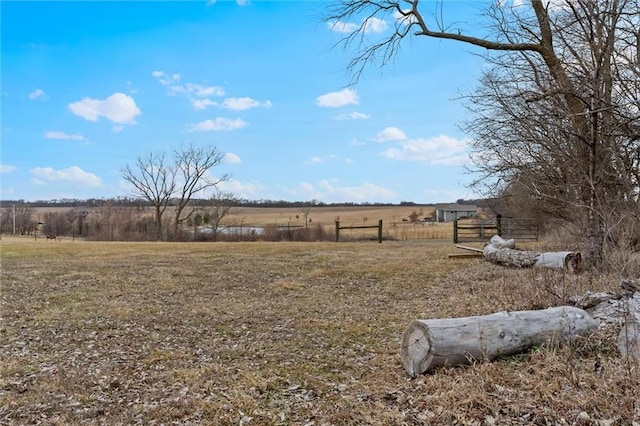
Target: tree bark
x=629 y=340
x=433 y=343
x=613 y=310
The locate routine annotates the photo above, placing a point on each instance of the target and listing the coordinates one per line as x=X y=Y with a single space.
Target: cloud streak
x=352 y=116
x=368 y=26
x=439 y=150
x=240 y=104
x=216 y=124
x=332 y=192
x=74 y=175
x=198 y=94
x=54 y=134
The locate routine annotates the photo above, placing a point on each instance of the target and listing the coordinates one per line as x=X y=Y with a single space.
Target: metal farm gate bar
x=465 y=231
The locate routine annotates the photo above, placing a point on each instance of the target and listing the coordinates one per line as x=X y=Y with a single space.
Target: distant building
x=451 y=212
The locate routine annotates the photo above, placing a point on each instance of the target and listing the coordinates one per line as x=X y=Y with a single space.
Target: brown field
x=278 y=334
x=394 y=227
x=395 y=223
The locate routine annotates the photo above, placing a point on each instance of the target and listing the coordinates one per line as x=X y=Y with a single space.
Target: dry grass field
x=281 y=334
x=396 y=224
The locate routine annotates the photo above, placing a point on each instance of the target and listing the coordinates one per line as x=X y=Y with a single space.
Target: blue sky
x=87 y=87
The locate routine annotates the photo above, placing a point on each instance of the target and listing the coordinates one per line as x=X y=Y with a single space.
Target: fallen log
x=503 y=252
x=429 y=344
x=614 y=310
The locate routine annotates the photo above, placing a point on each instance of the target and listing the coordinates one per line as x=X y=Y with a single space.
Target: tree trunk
x=433 y=343
x=502 y=252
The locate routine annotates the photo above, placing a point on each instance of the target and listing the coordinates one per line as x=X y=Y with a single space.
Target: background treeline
x=136 y=202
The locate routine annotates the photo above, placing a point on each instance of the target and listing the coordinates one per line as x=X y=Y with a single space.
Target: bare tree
x=193 y=165
x=306 y=210
x=18 y=219
x=564 y=91
x=164 y=182
x=155 y=181
x=221 y=205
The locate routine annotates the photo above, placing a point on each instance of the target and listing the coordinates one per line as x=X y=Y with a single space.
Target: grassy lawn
x=280 y=333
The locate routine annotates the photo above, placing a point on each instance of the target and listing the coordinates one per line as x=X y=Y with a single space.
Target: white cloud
x=330 y=192
x=375 y=25
x=250 y=191
x=390 y=134
x=238 y=2
x=352 y=116
x=231 y=158
x=198 y=94
x=5 y=168
x=217 y=124
x=440 y=150
x=38 y=94
x=239 y=104
x=203 y=103
x=318 y=159
x=72 y=174
x=369 y=26
x=117 y=108
x=342 y=27
x=338 y=99
x=164 y=78
x=197 y=90
x=54 y=134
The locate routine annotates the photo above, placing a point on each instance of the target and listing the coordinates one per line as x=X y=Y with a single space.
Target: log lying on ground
x=502 y=252
x=617 y=311
x=433 y=343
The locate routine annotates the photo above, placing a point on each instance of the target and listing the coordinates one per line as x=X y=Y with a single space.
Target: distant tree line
x=235 y=202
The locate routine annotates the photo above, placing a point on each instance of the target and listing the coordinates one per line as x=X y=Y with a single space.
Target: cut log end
x=416 y=348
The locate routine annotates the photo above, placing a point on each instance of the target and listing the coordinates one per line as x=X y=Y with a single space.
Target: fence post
x=380 y=231
x=337 y=231
x=499 y=224
x=455 y=231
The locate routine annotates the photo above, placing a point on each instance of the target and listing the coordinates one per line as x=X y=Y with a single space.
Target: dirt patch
x=279 y=333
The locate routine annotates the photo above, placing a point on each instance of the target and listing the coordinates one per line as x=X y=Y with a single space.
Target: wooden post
x=380 y=231
x=455 y=231
x=337 y=231
x=434 y=343
x=499 y=224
